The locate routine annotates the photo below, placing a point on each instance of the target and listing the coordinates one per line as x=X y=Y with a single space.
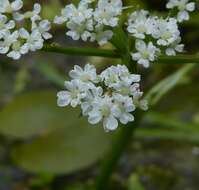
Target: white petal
x=24 y=33
x=183 y=15
x=63 y=99
x=17 y=5
x=126 y=117
x=110 y=123
x=59 y=20
x=4 y=50
x=94 y=117
x=14 y=54
x=47 y=35
x=37 y=8
x=170 y=52
x=17 y=16
x=144 y=62
x=190 y=7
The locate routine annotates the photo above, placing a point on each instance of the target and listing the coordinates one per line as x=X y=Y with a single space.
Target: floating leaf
x=32 y=114
x=66 y=143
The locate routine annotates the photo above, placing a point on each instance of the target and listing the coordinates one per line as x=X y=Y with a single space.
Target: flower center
x=141 y=28
x=166 y=35
x=145 y=54
x=105 y=110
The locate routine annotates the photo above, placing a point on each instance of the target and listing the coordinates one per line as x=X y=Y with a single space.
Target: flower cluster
x=153 y=36
x=16 y=40
x=109 y=97
x=183 y=7
x=90 y=20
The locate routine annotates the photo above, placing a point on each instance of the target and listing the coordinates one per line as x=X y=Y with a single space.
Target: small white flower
x=123 y=106
x=140 y=24
x=75 y=92
x=166 y=31
x=146 y=53
x=76 y=15
x=17 y=50
x=6 y=40
x=88 y=74
x=80 y=30
x=32 y=15
x=102 y=110
x=5 y=24
x=43 y=27
x=116 y=76
x=110 y=76
x=100 y=35
x=175 y=47
x=33 y=41
x=107 y=12
x=91 y=95
x=138 y=102
x=183 y=6
x=7 y=7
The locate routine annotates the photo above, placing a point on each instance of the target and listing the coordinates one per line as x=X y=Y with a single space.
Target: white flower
x=123 y=106
x=17 y=50
x=175 y=47
x=116 y=76
x=102 y=110
x=5 y=24
x=91 y=95
x=32 y=15
x=43 y=28
x=140 y=24
x=146 y=53
x=7 y=7
x=100 y=35
x=33 y=40
x=76 y=15
x=166 y=31
x=138 y=102
x=184 y=8
x=6 y=40
x=107 y=12
x=80 y=30
x=88 y=74
x=75 y=92
x=90 y=24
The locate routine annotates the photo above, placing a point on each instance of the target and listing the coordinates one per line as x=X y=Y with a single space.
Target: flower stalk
x=120 y=143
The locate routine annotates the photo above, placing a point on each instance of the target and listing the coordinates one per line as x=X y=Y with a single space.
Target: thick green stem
x=120 y=143
x=80 y=51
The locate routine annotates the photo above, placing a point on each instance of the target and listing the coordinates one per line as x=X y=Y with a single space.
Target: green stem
x=123 y=138
x=80 y=51
x=120 y=143
x=179 y=59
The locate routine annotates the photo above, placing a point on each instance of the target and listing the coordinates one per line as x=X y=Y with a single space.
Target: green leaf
x=32 y=114
x=167 y=84
x=66 y=143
